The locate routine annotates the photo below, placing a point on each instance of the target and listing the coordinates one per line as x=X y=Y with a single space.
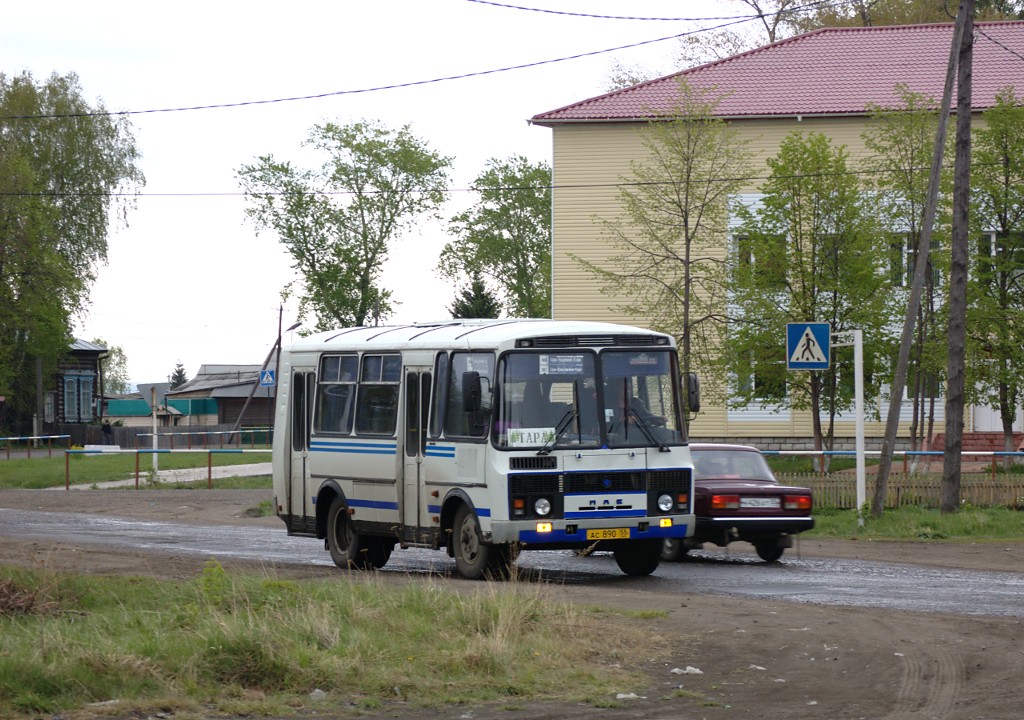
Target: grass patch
x=241 y=482
x=246 y=644
x=34 y=473
x=917 y=523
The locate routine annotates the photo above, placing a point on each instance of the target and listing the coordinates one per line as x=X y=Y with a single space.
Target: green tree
x=506 y=235
x=996 y=290
x=338 y=222
x=475 y=301
x=115 y=369
x=667 y=259
x=807 y=252
x=900 y=141
x=179 y=377
x=67 y=171
x=877 y=13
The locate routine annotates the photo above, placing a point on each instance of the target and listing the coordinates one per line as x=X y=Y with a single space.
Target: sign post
x=857 y=338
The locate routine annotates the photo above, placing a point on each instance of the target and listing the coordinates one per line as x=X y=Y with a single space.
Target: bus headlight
x=665 y=503
x=542 y=506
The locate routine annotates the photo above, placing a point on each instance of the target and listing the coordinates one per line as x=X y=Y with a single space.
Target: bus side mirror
x=693 y=392
x=471 y=392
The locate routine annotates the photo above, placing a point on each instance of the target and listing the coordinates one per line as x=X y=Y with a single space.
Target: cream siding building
x=824 y=81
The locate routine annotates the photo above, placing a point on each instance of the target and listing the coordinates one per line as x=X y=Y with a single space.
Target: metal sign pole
x=858 y=404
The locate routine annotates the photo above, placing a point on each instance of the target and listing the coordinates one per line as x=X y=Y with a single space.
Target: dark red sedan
x=736 y=497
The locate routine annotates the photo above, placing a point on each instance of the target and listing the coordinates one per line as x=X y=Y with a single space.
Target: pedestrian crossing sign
x=807 y=346
x=267 y=378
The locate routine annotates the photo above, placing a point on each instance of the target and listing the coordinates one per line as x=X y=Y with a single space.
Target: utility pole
x=957 y=336
x=899 y=380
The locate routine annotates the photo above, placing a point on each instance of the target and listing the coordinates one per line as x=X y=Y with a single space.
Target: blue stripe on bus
x=558 y=536
x=373 y=504
x=356 y=448
x=436 y=451
x=433 y=508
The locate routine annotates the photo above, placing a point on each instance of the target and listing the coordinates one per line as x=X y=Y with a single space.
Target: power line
x=784 y=11
x=376 y=88
x=991 y=39
x=734 y=20
x=546 y=11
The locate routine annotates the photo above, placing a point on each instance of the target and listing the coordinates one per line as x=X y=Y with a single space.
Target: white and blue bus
x=484 y=437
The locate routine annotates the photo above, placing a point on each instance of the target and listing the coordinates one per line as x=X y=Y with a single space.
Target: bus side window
x=460 y=421
x=440 y=399
x=377 y=409
x=336 y=393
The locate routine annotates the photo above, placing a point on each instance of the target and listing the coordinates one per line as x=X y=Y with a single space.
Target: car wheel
x=673 y=550
x=769 y=550
x=638 y=557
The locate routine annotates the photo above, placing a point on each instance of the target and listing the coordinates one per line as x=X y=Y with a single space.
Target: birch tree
x=995 y=327
x=807 y=251
x=666 y=259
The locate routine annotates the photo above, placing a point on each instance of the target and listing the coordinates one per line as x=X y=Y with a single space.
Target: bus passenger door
x=303 y=387
x=417 y=403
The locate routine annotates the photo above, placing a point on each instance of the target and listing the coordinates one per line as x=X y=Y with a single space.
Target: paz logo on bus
x=807 y=346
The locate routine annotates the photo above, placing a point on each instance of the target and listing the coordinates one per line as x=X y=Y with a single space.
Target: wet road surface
x=839 y=582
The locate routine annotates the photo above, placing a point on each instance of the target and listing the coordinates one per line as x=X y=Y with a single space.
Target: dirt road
x=757 y=659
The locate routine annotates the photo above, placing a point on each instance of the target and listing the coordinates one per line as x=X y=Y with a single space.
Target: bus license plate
x=608 y=534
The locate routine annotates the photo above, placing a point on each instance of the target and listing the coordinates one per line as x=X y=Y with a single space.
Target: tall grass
x=246 y=644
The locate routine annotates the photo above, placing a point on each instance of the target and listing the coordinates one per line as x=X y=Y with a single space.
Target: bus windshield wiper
x=647 y=430
x=560 y=428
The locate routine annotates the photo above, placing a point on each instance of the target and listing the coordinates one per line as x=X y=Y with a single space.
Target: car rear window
x=731 y=464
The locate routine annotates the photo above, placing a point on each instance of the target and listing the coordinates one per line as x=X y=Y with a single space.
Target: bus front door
x=303 y=387
x=417 y=403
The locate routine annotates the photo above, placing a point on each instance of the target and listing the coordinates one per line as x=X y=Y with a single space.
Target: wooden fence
x=839 y=490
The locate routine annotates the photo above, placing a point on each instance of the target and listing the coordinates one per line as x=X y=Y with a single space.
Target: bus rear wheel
x=638 y=557
x=474 y=559
x=349 y=549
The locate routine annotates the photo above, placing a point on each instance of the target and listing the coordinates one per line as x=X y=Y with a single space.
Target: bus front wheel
x=638 y=557
x=474 y=559
x=349 y=549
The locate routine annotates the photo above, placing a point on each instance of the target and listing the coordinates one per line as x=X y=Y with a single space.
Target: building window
x=763 y=264
x=765 y=381
x=78 y=398
x=903 y=257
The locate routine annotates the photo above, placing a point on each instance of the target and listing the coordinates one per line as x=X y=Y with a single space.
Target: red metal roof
x=825 y=72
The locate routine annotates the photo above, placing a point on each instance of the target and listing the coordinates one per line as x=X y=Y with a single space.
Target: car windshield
x=547 y=400
x=724 y=463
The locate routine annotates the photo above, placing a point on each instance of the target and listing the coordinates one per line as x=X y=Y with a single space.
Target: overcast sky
x=189 y=280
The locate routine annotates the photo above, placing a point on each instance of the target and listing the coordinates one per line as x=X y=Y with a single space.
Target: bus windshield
x=548 y=400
